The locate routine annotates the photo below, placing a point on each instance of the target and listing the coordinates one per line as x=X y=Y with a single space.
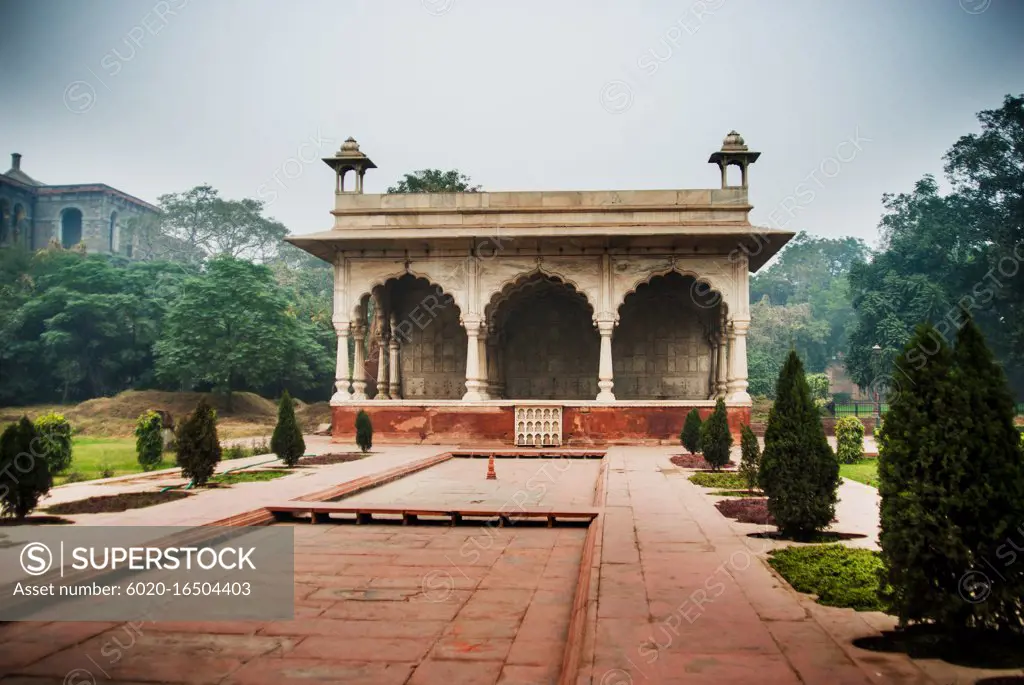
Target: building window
x=70 y=227
x=113 y=237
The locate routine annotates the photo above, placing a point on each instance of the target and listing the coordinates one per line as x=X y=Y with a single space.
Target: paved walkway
x=682 y=596
x=219 y=503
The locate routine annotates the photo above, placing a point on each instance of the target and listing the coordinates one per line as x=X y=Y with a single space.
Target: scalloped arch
x=379 y=280
x=513 y=284
x=712 y=281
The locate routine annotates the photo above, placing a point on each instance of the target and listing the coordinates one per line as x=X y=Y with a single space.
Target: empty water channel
x=525 y=488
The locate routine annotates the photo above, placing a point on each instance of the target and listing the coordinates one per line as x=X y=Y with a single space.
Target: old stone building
x=33 y=214
x=541 y=318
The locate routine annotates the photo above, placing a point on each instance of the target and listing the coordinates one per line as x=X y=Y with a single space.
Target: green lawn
x=863 y=471
x=90 y=456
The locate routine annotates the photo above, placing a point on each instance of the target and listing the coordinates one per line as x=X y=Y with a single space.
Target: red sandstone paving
x=378 y=605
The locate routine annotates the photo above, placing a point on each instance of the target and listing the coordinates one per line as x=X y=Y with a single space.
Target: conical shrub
x=799 y=473
x=750 y=456
x=715 y=438
x=198 y=445
x=951 y=480
x=24 y=472
x=287 y=442
x=690 y=437
x=364 y=431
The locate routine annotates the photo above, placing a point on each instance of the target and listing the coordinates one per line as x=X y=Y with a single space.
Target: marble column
x=342 y=378
x=722 y=366
x=484 y=368
x=394 y=384
x=472 y=360
x=730 y=337
x=383 y=389
x=359 y=362
x=738 y=362
x=605 y=374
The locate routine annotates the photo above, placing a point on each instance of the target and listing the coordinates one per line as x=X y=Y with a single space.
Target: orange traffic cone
x=491 y=475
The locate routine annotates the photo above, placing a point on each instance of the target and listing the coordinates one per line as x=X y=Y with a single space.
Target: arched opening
x=19 y=227
x=417 y=326
x=542 y=343
x=5 y=221
x=664 y=346
x=112 y=234
x=70 y=227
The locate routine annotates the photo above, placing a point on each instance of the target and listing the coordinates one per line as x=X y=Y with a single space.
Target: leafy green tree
x=690 y=436
x=149 y=440
x=198 y=446
x=287 y=442
x=799 y=473
x=434 y=181
x=231 y=328
x=24 y=472
x=364 y=431
x=774 y=331
x=849 y=439
x=750 y=457
x=715 y=438
x=940 y=252
x=199 y=223
x=54 y=433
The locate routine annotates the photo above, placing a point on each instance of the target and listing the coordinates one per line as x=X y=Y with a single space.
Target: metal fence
x=858 y=409
x=868 y=409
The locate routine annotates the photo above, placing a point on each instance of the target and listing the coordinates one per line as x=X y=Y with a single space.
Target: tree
x=434 y=181
x=750 y=457
x=921 y=548
x=776 y=329
x=198 y=223
x=941 y=252
x=149 y=440
x=364 y=431
x=198 y=445
x=24 y=474
x=951 y=448
x=715 y=438
x=54 y=433
x=231 y=328
x=849 y=439
x=287 y=442
x=690 y=437
x=799 y=473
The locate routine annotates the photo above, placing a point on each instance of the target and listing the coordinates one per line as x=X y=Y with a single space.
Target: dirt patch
x=695 y=461
x=115 y=416
x=332 y=458
x=34 y=521
x=747 y=510
x=105 y=504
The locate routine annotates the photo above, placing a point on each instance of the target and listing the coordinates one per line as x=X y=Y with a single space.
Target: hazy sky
x=154 y=97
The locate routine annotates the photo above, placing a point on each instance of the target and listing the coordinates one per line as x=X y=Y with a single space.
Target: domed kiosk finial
x=734 y=152
x=349 y=158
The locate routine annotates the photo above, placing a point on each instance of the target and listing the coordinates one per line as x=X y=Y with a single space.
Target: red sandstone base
x=585 y=425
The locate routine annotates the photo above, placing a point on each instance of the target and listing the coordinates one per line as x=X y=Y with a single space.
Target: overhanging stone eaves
x=761 y=243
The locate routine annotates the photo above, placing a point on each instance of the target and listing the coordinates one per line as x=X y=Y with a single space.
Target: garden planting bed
x=107 y=504
x=695 y=461
x=332 y=458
